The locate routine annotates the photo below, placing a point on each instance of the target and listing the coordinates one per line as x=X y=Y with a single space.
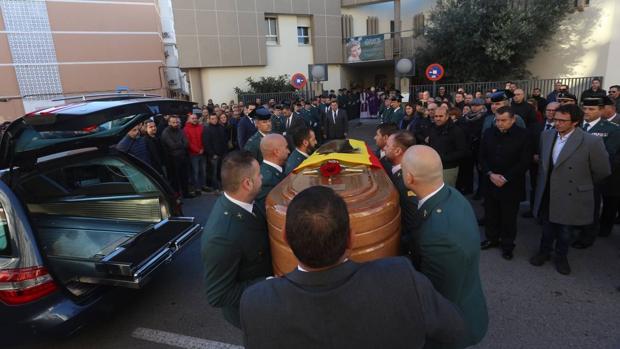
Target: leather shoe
x=539 y=259
x=507 y=255
x=580 y=245
x=562 y=266
x=487 y=244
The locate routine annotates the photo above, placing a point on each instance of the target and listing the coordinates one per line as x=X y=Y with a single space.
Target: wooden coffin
x=374 y=213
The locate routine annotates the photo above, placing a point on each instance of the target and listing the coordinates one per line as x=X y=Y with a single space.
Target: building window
x=303 y=35
x=271 y=29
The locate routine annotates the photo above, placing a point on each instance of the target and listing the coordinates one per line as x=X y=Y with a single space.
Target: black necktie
x=334 y=116
x=548 y=126
x=585 y=126
x=288 y=122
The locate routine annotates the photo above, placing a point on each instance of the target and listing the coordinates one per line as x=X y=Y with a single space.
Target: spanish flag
x=362 y=156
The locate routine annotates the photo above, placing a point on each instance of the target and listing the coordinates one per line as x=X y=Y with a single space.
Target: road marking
x=179 y=340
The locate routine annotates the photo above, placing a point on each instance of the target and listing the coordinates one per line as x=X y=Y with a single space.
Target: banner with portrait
x=365 y=48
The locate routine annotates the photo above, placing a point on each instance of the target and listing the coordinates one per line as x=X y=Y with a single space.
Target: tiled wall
x=53 y=48
x=228 y=33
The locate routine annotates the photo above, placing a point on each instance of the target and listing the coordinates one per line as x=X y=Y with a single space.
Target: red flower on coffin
x=330 y=168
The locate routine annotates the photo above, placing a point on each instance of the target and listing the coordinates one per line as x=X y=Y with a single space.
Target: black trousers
x=465 y=178
x=611 y=205
x=533 y=182
x=501 y=220
x=178 y=174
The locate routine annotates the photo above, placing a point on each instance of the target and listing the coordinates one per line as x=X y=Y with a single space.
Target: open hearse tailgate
x=129 y=261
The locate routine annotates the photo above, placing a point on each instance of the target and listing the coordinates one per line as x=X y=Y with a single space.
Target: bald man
x=274 y=148
x=521 y=107
x=446 y=241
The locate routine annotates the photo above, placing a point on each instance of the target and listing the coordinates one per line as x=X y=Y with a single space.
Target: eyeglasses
x=561 y=120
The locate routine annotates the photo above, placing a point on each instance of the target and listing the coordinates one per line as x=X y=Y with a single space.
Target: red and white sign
x=298 y=81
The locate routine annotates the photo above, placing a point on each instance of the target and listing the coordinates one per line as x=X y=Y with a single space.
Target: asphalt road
x=529 y=307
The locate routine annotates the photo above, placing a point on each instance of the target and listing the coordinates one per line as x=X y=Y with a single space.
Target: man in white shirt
x=571 y=163
x=446 y=240
x=275 y=151
x=235 y=243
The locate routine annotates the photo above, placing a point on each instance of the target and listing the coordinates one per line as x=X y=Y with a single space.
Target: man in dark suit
x=446 y=240
x=245 y=126
x=235 y=243
x=290 y=119
x=275 y=152
x=336 y=124
x=505 y=156
x=571 y=163
x=382 y=133
x=305 y=142
x=332 y=302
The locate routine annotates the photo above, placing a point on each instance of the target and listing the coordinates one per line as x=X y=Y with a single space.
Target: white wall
x=612 y=72
x=586 y=45
x=287 y=57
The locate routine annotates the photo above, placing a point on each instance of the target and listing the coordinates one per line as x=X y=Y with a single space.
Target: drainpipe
x=396 y=42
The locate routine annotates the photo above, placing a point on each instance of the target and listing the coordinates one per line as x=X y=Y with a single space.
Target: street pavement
x=529 y=307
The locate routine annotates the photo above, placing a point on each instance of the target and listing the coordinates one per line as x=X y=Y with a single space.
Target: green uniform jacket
x=253 y=146
x=396 y=116
x=304 y=115
x=293 y=161
x=446 y=248
x=271 y=178
x=610 y=133
x=277 y=124
x=235 y=254
x=385 y=114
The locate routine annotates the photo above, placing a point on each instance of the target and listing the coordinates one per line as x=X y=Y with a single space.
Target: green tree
x=267 y=84
x=488 y=40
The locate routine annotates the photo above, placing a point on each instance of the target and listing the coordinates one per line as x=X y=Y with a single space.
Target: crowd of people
x=502 y=136
x=431 y=148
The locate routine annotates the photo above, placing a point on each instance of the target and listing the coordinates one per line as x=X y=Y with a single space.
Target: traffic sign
x=298 y=81
x=434 y=72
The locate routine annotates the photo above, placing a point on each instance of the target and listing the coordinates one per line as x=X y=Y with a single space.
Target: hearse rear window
x=32 y=139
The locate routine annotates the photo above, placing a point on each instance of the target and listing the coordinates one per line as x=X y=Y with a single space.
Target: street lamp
x=405 y=68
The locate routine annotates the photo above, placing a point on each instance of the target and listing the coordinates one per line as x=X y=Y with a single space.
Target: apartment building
x=56 y=48
x=222 y=42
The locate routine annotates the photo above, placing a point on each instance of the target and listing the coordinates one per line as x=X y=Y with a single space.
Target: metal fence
x=305 y=93
x=575 y=85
